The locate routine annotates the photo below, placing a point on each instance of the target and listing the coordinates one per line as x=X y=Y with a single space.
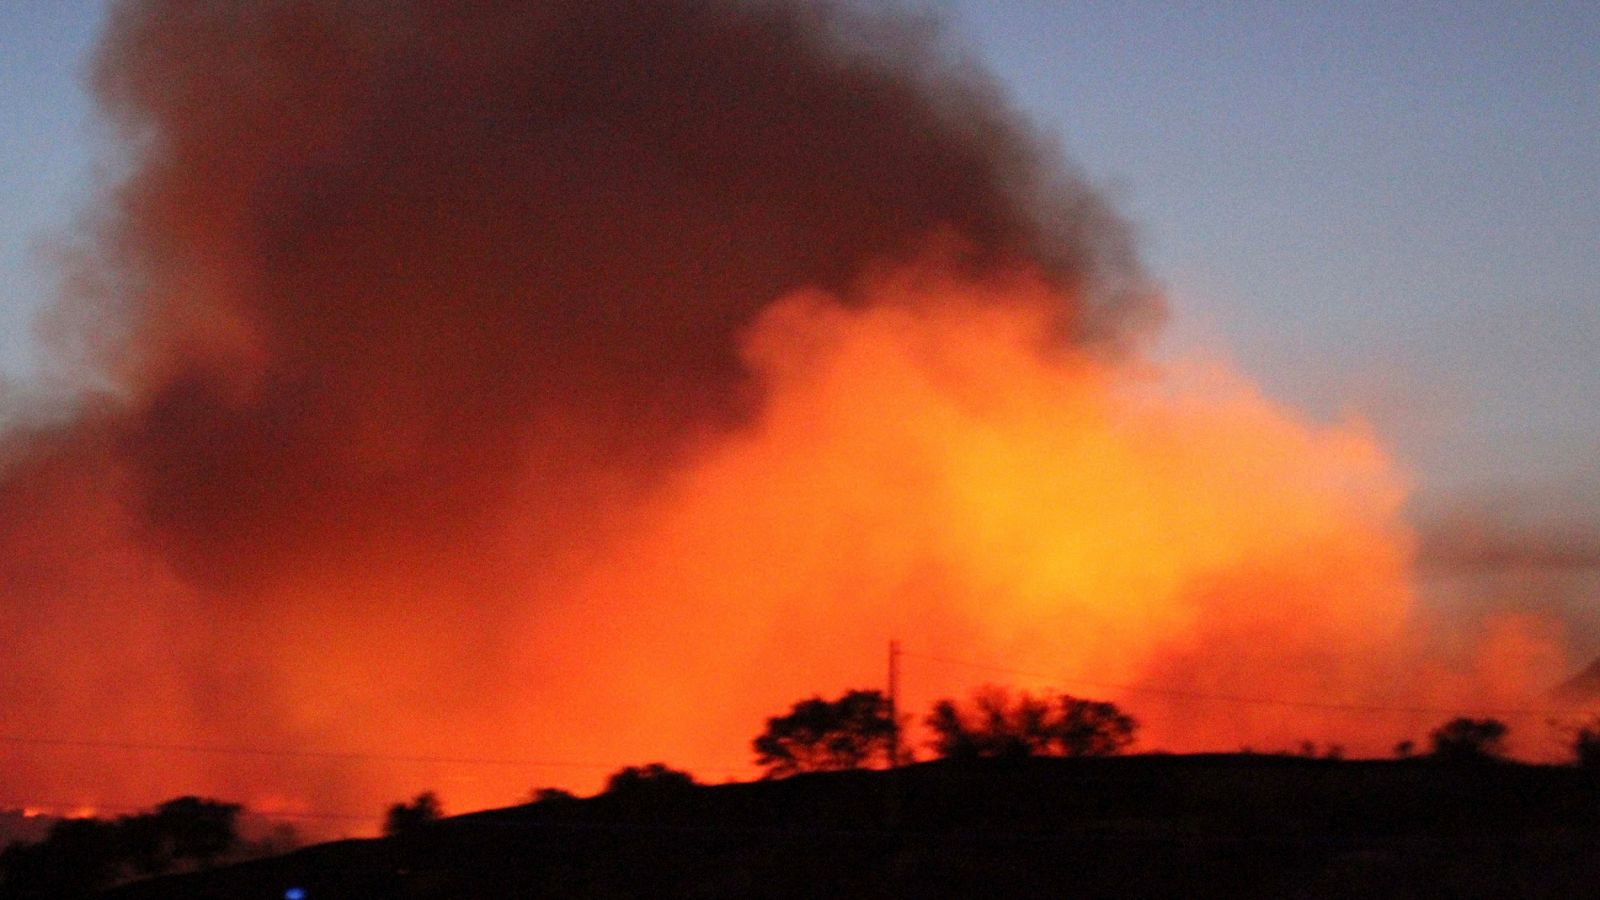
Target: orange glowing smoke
x=506 y=393
x=929 y=461
x=938 y=466
x=935 y=464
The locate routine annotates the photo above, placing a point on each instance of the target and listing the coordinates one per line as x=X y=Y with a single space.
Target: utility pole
x=894 y=704
x=892 y=797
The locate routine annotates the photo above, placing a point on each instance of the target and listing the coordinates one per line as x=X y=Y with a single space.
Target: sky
x=1380 y=211
x=1386 y=208
x=46 y=155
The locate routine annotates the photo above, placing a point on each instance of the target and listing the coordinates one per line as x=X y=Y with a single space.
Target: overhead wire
x=359 y=756
x=1189 y=694
x=1053 y=679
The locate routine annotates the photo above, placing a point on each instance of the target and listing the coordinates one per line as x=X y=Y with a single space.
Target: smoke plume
x=584 y=381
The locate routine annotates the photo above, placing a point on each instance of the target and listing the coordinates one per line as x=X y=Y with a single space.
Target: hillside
x=1194 y=826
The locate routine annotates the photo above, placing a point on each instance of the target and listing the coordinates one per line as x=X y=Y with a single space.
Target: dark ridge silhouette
x=1192 y=826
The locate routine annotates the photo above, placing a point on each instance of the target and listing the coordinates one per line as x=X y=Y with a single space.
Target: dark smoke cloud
x=1520 y=552
x=388 y=256
x=386 y=281
x=1485 y=542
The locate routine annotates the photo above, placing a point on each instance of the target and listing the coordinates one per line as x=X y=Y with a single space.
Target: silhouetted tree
x=1469 y=740
x=197 y=829
x=551 y=795
x=1309 y=749
x=1586 y=746
x=406 y=818
x=649 y=780
x=1405 y=749
x=147 y=848
x=1091 y=728
x=995 y=724
x=1000 y=725
x=77 y=858
x=952 y=739
x=820 y=735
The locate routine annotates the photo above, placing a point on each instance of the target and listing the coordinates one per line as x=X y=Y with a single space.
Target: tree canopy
x=647 y=780
x=1469 y=740
x=1586 y=745
x=818 y=735
x=81 y=856
x=999 y=724
x=406 y=818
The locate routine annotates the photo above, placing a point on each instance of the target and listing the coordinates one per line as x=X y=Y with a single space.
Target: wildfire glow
x=935 y=466
x=504 y=398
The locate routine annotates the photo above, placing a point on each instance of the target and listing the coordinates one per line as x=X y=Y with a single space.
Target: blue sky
x=1391 y=210
x=45 y=153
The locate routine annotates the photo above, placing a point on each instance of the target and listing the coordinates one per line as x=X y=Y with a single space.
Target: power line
x=897 y=650
x=1236 y=698
x=27 y=740
x=271 y=816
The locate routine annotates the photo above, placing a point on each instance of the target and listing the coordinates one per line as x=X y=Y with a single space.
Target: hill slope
x=1195 y=826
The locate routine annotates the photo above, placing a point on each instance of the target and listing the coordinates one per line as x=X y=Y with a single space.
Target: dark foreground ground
x=1151 y=826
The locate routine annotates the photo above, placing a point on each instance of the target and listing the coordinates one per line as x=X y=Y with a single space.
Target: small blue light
x=295 y=894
